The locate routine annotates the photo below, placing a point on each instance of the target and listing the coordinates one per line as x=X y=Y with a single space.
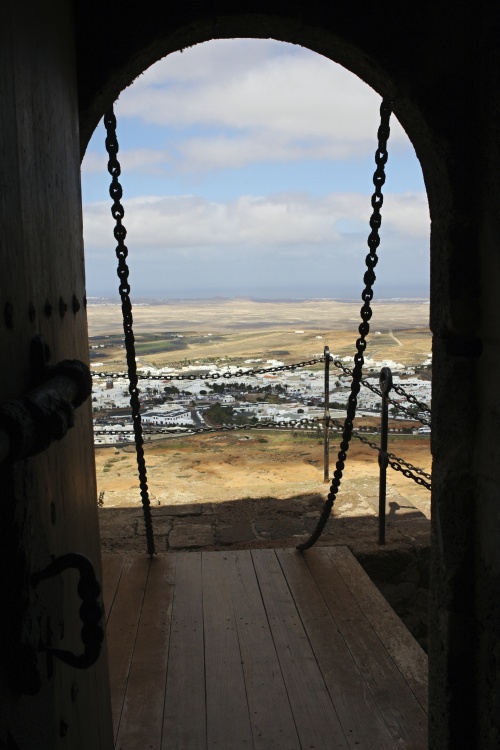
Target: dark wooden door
x=48 y=503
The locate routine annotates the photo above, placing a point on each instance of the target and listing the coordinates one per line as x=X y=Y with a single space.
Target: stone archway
x=434 y=85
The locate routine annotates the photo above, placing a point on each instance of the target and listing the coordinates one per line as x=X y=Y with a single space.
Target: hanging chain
x=364 y=327
x=117 y=211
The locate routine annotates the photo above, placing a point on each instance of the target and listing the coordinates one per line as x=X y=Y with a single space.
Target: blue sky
x=247 y=171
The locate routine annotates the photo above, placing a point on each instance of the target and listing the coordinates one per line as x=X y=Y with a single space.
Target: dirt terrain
x=245 y=314
x=232 y=489
x=234 y=330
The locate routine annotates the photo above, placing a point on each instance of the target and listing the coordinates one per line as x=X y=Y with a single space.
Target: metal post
x=326 y=446
x=383 y=458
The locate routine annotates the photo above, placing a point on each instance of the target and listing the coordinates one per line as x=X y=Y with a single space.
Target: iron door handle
x=91 y=609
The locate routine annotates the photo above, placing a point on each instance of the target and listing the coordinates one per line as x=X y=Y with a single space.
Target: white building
x=162 y=417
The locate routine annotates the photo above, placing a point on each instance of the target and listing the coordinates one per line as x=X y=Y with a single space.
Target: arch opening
x=209 y=117
x=260 y=152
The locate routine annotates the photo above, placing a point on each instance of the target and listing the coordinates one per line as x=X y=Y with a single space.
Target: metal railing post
x=383 y=456
x=326 y=444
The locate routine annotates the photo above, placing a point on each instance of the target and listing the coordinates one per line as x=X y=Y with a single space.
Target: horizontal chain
x=282 y=368
x=292 y=424
x=397 y=388
x=391 y=455
x=404 y=410
x=410 y=397
x=215 y=375
x=409 y=475
x=410 y=467
x=404 y=466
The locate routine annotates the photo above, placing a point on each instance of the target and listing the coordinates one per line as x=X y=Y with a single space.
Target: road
x=394 y=338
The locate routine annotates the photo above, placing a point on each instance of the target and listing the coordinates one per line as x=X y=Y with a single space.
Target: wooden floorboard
x=261 y=649
x=403 y=715
x=315 y=716
x=406 y=653
x=141 y=719
x=122 y=630
x=228 y=720
x=112 y=570
x=269 y=709
x=359 y=715
x=184 y=723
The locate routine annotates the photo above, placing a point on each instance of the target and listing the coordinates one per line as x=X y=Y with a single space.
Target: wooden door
x=48 y=503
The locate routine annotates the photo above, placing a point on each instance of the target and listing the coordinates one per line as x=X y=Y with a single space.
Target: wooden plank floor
x=259 y=649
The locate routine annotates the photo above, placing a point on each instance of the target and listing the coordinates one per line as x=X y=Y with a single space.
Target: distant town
x=227 y=397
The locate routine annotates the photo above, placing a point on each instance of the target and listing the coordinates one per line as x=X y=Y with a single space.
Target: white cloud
x=293 y=91
x=285 y=220
x=201 y=154
x=204 y=61
x=227 y=105
x=222 y=152
x=409 y=215
x=131 y=160
x=94 y=162
x=268 y=101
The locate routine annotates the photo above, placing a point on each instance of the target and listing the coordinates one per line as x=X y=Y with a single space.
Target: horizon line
x=112 y=299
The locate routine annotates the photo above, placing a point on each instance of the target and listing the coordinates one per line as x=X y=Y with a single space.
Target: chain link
x=118 y=212
x=407 y=465
x=411 y=398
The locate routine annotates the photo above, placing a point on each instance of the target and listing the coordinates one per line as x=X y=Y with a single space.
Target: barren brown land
x=235 y=330
x=218 y=468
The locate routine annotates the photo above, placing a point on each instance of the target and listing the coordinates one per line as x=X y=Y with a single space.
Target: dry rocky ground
x=253 y=477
